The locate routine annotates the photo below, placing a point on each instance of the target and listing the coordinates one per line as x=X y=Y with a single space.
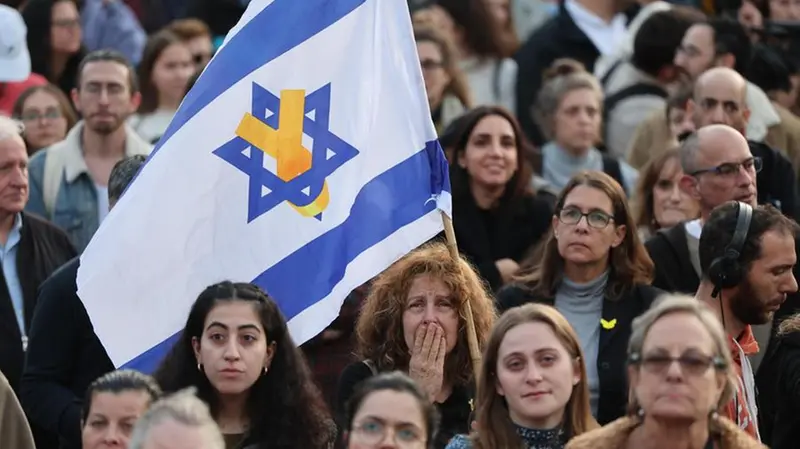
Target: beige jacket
x=615 y=436
x=14 y=429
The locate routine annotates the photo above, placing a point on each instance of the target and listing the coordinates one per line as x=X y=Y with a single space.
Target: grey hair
x=10 y=128
x=122 y=175
x=553 y=93
x=184 y=408
x=669 y=304
x=689 y=150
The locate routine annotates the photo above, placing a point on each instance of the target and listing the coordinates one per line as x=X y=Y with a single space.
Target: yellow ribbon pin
x=608 y=325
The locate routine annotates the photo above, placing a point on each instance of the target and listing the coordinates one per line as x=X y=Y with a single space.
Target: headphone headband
x=743 y=217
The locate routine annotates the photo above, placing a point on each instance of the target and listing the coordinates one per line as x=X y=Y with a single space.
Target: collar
x=15 y=234
x=746 y=341
x=72 y=146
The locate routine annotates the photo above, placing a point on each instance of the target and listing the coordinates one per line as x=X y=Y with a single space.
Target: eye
x=216 y=337
x=372 y=427
x=548 y=360
x=416 y=305
x=515 y=364
x=249 y=338
x=728 y=169
x=407 y=435
x=664 y=184
x=444 y=303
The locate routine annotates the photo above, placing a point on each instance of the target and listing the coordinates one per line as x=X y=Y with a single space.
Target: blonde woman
x=680 y=371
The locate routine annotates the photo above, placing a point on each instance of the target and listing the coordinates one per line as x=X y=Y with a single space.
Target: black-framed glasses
x=691 y=364
x=732 y=168
x=595 y=218
x=373 y=431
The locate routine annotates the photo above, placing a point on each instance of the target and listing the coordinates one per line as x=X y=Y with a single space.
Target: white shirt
x=607 y=37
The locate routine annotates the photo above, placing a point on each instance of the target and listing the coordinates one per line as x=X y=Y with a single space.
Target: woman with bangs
x=413 y=320
x=661 y=201
x=596 y=272
x=532 y=391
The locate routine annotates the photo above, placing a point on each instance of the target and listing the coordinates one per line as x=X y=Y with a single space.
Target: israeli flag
x=304 y=160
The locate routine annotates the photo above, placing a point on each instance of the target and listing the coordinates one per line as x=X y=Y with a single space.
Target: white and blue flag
x=304 y=160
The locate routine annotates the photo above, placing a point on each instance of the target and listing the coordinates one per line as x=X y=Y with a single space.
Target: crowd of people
x=624 y=183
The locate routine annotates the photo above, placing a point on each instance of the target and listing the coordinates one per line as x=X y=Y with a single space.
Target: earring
x=266 y=368
x=200 y=367
x=640 y=413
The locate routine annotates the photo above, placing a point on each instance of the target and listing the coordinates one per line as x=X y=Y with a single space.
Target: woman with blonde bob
x=414 y=320
x=532 y=391
x=680 y=373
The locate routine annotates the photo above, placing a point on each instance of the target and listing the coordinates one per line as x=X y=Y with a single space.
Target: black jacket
x=777 y=183
x=613 y=350
x=510 y=231
x=42 y=249
x=778 y=382
x=64 y=357
x=674 y=270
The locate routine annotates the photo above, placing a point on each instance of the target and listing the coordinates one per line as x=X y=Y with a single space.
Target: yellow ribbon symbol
x=608 y=325
x=285 y=145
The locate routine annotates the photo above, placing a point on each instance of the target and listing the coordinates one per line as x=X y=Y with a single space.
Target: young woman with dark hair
x=237 y=351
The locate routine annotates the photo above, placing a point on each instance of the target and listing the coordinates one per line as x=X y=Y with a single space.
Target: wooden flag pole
x=472 y=336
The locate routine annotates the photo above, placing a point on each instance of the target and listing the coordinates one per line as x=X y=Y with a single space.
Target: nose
x=231 y=351
x=20 y=177
x=675 y=193
x=389 y=440
x=792 y=287
x=112 y=435
x=430 y=313
x=582 y=224
x=674 y=372
x=746 y=178
x=534 y=374
x=717 y=115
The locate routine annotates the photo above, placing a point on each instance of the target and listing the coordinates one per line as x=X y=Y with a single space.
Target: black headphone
x=725 y=271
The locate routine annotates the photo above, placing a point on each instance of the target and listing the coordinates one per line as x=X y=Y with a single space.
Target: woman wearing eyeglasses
x=390 y=411
x=680 y=374
x=596 y=272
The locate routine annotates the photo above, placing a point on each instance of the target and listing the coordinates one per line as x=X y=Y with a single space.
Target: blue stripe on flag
x=264 y=38
x=392 y=200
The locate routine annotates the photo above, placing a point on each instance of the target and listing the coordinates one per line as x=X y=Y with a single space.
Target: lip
x=535 y=394
x=230 y=371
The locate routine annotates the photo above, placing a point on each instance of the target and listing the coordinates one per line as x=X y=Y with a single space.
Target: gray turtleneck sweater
x=558 y=167
x=582 y=306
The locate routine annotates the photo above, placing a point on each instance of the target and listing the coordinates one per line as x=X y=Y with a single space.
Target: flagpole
x=472 y=335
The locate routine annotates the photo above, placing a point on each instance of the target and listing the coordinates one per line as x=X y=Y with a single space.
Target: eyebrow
x=241 y=328
x=591 y=209
x=538 y=351
x=384 y=422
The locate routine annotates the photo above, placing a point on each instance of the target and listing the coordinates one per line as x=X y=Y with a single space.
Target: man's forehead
x=716 y=150
x=699 y=35
x=104 y=71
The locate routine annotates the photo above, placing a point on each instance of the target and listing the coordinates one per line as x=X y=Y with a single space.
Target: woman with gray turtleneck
x=596 y=272
x=569 y=112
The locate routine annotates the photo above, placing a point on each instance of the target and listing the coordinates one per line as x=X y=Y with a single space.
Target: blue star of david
x=323 y=162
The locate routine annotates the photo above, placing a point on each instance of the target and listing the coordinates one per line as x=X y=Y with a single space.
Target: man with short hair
x=745 y=283
x=179 y=421
x=30 y=250
x=64 y=354
x=637 y=87
x=69 y=180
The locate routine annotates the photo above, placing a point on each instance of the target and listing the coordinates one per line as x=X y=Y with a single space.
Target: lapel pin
x=608 y=325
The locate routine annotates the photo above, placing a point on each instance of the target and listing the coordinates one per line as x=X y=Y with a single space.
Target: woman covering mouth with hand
x=413 y=321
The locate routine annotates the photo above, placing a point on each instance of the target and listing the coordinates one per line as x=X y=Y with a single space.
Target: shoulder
x=731 y=436
x=459 y=442
x=611 y=436
x=647 y=294
x=513 y=295
x=39 y=225
x=356 y=372
x=36 y=163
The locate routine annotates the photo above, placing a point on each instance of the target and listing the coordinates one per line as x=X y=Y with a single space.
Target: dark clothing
x=613 y=350
x=557 y=38
x=674 y=270
x=777 y=183
x=219 y=15
x=455 y=411
x=64 y=357
x=507 y=232
x=42 y=249
x=779 y=377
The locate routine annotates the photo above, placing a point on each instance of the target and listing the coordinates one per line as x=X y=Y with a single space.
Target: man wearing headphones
x=746 y=258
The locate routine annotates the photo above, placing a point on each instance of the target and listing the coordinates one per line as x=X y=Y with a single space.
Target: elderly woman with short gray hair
x=680 y=375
